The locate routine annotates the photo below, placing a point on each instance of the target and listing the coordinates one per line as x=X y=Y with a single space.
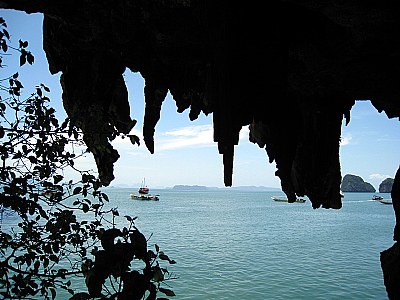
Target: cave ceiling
x=290 y=70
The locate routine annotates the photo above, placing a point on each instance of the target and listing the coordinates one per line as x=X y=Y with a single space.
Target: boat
x=284 y=199
x=385 y=201
x=144 y=190
x=375 y=197
x=144 y=193
x=341 y=194
x=50 y=192
x=145 y=197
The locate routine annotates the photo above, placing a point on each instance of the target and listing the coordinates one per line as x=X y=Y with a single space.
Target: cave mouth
x=369 y=144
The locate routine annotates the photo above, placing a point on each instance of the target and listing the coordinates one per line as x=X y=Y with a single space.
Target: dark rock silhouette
x=290 y=70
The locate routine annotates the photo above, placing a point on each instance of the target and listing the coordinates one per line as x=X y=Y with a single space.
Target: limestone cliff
x=353 y=183
x=386 y=185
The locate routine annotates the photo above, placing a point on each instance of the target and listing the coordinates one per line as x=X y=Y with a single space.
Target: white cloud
x=379 y=176
x=186 y=137
x=345 y=140
x=179 y=138
x=244 y=133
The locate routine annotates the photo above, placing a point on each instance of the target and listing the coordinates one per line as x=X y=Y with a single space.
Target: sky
x=184 y=150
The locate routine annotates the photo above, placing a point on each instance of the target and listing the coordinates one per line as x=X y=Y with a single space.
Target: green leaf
x=30 y=58
x=53 y=293
x=96 y=206
x=36 y=265
x=57 y=178
x=85 y=207
x=167 y=292
x=5 y=32
x=77 y=190
x=23 y=44
x=163 y=256
x=53 y=257
x=81 y=296
x=22 y=59
x=134 y=139
x=105 y=197
x=158 y=275
x=4 y=46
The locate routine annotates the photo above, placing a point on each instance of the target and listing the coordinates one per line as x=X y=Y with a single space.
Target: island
x=354 y=183
x=386 y=185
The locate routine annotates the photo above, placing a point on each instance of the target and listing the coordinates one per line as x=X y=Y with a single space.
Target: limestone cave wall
x=290 y=70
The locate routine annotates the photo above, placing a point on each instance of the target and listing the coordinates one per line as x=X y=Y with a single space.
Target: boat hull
x=281 y=199
x=385 y=202
x=145 y=197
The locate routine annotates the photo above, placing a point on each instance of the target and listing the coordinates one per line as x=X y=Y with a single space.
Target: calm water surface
x=243 y=245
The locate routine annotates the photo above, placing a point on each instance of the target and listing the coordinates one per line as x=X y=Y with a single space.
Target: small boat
x=145 y=197
x=144 y=190
x=50 y=192
x=375 y=197
x=385 y=201
x=284 y=199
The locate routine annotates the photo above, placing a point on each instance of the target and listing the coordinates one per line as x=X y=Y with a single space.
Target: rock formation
x=386 y=185
x=353 y=183
x=291 y=70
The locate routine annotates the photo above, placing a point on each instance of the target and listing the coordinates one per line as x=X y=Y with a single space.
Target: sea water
x=243 y=245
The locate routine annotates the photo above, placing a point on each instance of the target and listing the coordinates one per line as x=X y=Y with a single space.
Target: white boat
x=284 y=199
x=145 y=197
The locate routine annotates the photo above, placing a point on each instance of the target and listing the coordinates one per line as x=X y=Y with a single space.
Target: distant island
x=350 y=183
x=354 y=183
x=236 y=188
x=190 y=187
x=386 y=185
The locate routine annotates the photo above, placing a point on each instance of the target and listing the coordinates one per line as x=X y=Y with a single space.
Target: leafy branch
x=55 y=231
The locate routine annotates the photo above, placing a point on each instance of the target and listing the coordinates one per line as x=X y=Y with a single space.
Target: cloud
x=379 y=176
x=345 y=140
x=179 y=138
x=199 y=136
x=244 y=133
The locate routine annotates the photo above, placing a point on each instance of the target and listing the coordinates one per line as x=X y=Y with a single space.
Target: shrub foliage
x=54 y=231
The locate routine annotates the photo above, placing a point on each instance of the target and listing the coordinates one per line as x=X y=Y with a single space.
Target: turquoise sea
x=243 y=245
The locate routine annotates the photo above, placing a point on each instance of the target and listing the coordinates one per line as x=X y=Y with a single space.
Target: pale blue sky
x=185 y=152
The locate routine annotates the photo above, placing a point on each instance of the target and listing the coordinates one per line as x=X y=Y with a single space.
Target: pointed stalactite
x=154 y=96
x=227 y=155
x=119 y=109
